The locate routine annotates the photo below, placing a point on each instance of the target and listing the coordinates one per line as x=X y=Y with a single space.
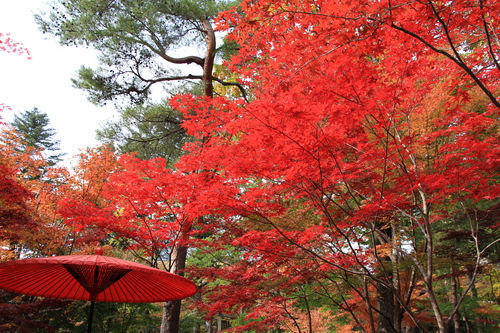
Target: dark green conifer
x=34 y=128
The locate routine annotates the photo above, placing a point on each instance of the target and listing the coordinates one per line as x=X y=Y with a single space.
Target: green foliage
x=137 y=41
x=152 y=130
x=33 y=128
x=206 y=257
x=108 y=317
x=191 y=322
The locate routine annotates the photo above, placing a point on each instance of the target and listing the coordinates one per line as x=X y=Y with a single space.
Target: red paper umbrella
x=94 y=278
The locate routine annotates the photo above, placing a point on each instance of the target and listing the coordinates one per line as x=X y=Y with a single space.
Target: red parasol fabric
x=93 y=278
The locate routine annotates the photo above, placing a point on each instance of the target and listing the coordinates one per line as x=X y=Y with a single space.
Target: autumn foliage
x=355 y=189
x=372 y=135
x=15 y=213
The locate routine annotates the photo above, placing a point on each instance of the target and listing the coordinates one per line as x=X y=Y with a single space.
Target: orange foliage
x=80 y=206
x=319 y=321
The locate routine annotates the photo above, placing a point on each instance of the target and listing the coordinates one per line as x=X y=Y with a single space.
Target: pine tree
x=33 y=126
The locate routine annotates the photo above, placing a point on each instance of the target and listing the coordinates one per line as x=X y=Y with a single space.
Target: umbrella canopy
x=93 y=278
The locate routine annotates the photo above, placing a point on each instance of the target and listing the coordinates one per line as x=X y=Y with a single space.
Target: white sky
x=44 y=82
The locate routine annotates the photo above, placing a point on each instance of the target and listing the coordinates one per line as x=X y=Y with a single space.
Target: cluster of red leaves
x=367 y=112
x=142 y=203
x=14 y=211
x=8 y=45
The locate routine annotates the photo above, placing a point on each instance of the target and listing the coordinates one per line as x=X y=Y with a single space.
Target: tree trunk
x=385 y=296
x=208 y=65
x=309 y=316
x=209 y=326
x=172 y=310
x=366 y=297
x=454 y=299
x=386 y=315
x=170 y=317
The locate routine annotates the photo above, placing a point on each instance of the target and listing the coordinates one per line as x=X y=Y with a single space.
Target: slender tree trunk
x=398 y=309
x=385 y=295
x=208 y=66
x=368 y=305
x=386 y=315
x=428 y=272
x=309 y=316
x=454 y=299
x=171 y=310
x=209 y=326
x=473 y=294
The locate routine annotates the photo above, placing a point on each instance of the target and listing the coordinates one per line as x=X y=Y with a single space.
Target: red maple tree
x=371 y=133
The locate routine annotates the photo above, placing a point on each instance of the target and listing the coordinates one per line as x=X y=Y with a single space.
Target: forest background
x=332 y=167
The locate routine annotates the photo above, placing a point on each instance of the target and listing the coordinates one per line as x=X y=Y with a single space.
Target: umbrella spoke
x=95 y=279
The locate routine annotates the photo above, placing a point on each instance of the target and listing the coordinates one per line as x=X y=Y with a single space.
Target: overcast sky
x=44 y=82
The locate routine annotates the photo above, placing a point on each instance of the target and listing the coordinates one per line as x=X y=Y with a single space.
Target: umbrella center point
x=96 y=279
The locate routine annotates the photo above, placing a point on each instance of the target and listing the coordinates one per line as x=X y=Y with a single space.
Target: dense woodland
x=329 y=166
